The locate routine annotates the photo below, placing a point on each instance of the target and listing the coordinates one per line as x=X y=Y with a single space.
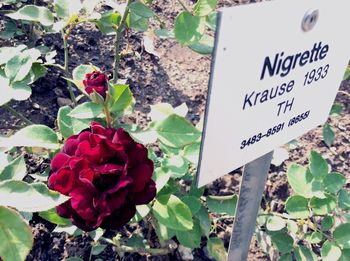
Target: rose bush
x=106 y=174
x=96 y=81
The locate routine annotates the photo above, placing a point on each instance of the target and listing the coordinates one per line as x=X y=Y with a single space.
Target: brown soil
x=178 y=75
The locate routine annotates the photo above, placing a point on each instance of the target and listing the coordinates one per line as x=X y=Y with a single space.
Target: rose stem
x=128 y=249
x=108 y=117
x=66 y=63
x=118 y=37
x=183 y=5
x=17 y=114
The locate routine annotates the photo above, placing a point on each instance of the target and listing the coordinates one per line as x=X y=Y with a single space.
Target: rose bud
x=106 y=174
x=96 y=81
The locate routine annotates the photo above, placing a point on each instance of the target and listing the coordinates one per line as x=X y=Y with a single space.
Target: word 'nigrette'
x=283 y=65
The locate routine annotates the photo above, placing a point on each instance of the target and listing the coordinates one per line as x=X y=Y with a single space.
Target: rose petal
x=82 y=202
x=140 y=175
x=59 y=161
x=146 y=196
x=119 y=217
x=70 y=145
x=62 y=181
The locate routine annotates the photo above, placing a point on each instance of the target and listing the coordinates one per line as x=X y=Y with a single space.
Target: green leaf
x=173 y=213
x=141 y=212
x=193 y=203
x=315 y=237
x=141 y=9
x=34 y=13
x=15 y=170
x=211 y=20
x=33 y=136
x=120 y=97
x=297 y=207
x=304 y=254
x=333 y=182
x=292 y=226
x=164 y=33
x=204 y=7
x=160 y=177
x=108 y=22
x=176 y=165
x=345 y=255
x=330 y=252
x=286 y=257
x=74 y=258
x=189 y=29
x=327 y=223
x=26 y=197
x=300 y=179
x=216 y=249
x=38 y=70
x=176 y=131
x=15 y=236
x=204 y=46
x=52 y=216
x=196 y=192
x=163 y=232
x=64 y=121
x=328 y=134
x=318 y=165
x=204 y=220
x=98 y=249
x=342 y=235
x=344 y=199
x=336 y=109
x=282 y=241
x=222 y=204
x=275 y=223
x=346 y=74
x=136 y=241
x=66 y=8
x=161 y=111
x=136 y=22
x=86 y=110
x=191 y=152
x=191 y=238
x=323 y=206
x=10 y=30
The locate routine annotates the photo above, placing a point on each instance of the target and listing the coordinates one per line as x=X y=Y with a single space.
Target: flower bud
x=96 y=81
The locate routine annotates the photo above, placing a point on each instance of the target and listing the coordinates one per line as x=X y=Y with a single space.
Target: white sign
x=275 y=75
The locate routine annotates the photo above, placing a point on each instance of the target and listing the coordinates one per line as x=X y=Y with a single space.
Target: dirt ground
x=176 y=76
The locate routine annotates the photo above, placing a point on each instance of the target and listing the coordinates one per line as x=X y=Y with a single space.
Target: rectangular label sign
x=275 y=74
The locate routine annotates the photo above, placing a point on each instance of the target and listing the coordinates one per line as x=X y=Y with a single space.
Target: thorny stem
x=66 y=63
x=108 y=117
x=183 y=5
x=117 y=43
x=128 y=249
x=345 y=93
x=17 y=114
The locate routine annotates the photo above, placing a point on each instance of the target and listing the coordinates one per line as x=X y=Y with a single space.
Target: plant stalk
x=128 y=249
x=183 y=6
x=118 y=37
x=66 y=63
x=17 y=114
x=109 y=119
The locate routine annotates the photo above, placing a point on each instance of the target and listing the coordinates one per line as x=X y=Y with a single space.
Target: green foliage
x=120 y=98
x=34 y=13
x=29 y=197
x=33 y=136
x=15 y=170
x=173 y=213
x=86 y=110
x=15 y=236
x=18 y=69
x=189 y=29
x=222 y=204
x=216 y=249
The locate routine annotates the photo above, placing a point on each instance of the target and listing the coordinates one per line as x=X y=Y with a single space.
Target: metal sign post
x=250 y=194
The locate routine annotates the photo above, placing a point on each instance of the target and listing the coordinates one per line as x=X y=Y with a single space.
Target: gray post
x=250 y=194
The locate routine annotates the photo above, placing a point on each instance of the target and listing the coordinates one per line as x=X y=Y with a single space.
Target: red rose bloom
x=106 y=174
x=96 y=81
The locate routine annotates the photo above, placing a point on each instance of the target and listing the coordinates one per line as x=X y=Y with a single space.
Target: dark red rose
x=96 y=81
x=106 y=174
